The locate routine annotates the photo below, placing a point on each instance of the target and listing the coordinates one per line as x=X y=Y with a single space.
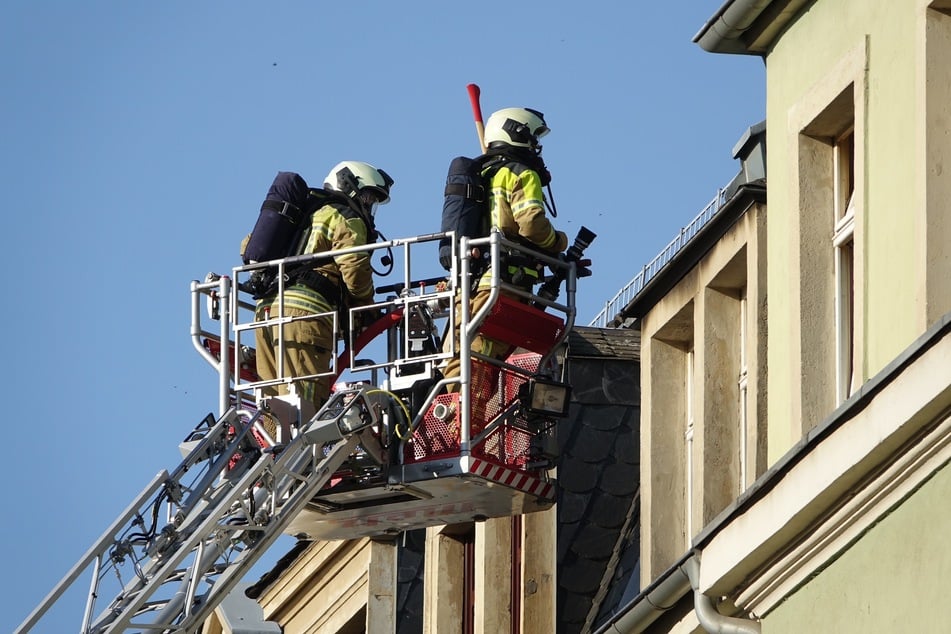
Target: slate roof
x=598 y=477
x=587 y=342
x=410 y=560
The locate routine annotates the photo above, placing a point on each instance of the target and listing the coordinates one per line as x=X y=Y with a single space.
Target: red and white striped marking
x=512 y=479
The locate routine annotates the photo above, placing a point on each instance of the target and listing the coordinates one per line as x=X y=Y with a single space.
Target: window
x=843 y=167
x=830 y=230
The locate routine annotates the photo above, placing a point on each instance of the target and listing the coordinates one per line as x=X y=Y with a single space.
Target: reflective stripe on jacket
x=332 y=230
x=517 y=207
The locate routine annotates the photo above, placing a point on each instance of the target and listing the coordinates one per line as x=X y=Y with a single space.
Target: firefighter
x=331 y=285
x=517 y=207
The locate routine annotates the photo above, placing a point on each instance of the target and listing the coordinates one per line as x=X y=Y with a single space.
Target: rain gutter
x=665 y=593
x=748 y=27
x=722 y=33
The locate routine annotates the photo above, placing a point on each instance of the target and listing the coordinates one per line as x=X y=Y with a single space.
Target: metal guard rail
x=624 y=296
x=230 y=325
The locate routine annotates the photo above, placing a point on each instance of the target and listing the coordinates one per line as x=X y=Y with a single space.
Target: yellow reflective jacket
x=331 y=230
x=517 y=207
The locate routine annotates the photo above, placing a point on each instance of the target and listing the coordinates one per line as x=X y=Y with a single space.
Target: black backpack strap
x=490 y=167
x=477 y=191
x=264 y=283
x=469 y=191
x=287 y=209
x=317 y=282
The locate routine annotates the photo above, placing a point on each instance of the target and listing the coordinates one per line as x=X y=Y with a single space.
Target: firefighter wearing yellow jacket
x=517 y=204
x=343 y=281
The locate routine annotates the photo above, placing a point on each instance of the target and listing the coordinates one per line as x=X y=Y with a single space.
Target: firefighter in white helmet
x=518 y=202
x=342 y=282
x=517 y=205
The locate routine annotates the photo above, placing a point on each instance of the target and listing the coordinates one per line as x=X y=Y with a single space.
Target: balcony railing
x=624 y=296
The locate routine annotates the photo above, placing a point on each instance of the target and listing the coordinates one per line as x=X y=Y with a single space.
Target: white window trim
x=743 y=384
x=843 y=244
x=688 y=446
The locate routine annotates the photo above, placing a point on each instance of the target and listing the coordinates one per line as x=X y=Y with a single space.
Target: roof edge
x=748 y=27
x=722 y=32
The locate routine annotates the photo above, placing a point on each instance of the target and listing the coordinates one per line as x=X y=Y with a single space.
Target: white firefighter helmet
x=357 y=179
x=517 y=127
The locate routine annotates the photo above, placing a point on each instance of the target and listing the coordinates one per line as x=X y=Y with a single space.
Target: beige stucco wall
x=933 y=199
x=829 y=46
x=701 y=312
x=323 y=590
x=889 y=581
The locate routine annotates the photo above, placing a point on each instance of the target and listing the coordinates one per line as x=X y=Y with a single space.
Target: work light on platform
x=545 y=397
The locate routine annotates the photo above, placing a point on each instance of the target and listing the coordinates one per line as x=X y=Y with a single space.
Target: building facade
x=796 y=374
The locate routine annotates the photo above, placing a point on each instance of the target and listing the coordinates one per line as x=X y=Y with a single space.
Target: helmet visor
x=542 y=128
x=371 y=198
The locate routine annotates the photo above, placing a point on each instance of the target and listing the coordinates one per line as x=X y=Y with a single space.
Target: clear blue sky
x=140 y=138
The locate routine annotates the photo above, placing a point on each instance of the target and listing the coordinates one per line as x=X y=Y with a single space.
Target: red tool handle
x=474 y=95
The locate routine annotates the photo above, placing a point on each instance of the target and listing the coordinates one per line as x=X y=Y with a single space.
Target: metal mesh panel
x=437 y=436
x=493 y=390
x=506 y=445
x=509 y=443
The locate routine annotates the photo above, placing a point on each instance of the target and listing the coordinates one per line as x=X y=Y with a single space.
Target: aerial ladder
x=378 y=458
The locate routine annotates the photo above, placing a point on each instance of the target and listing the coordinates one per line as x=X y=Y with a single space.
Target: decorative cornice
x=858 y=511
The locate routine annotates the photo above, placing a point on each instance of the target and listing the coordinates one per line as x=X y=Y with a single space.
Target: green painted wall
x=892 y=312
x=806 y=55
x=894 y=578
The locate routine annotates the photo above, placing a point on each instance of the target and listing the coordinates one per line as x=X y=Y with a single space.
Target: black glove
x=583 y=267
x=364 y=318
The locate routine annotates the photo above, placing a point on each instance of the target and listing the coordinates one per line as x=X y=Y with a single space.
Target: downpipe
x=710 y=619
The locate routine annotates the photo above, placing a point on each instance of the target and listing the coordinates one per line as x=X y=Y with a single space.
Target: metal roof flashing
x=749 y=140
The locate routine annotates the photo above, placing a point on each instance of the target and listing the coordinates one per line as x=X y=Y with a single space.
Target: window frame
x=843 y=245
